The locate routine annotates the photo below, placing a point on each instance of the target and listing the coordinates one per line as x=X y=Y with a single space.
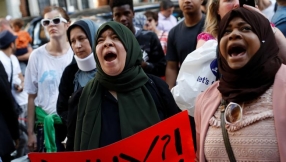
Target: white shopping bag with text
x=196 y=74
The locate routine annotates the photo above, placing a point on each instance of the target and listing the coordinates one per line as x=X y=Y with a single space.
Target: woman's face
x=151 y=24
x=79 y=42
x=239 y=43
x=55 y=30
x=111 y=53
x=226 y=5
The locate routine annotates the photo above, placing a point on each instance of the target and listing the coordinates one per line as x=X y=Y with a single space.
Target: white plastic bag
x=196 y=74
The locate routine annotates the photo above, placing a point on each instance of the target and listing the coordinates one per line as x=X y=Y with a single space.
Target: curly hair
x=117 y=3
x=17 y=22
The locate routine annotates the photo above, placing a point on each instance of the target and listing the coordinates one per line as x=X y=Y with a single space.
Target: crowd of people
x=91 y=86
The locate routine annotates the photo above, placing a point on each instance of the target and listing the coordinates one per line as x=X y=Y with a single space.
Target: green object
x=49 y=130
x=137 y=109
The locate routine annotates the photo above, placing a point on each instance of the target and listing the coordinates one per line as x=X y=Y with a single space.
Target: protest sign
x=169 y=141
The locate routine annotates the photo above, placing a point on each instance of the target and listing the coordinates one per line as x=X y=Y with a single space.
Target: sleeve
x=171 y=47
x=7 y=107
x=16 y=70
x=282 y=27
x=66 y=89
x=205 y=36
x=31 y=74
x=157 y=62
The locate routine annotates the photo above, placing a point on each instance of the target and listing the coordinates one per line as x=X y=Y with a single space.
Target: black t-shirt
x=182 y=40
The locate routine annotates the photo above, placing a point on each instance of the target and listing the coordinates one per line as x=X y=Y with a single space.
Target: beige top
x=252 y=138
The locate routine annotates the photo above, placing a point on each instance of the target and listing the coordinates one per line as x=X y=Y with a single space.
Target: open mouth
x=110 y=57
x=236 y=50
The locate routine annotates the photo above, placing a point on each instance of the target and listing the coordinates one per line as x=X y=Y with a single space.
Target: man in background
x=154 y=61
x=166 y=21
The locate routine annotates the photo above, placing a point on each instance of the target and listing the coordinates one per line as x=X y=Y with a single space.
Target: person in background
x=279 y=18
x=204 y=6
x=241 y=116
x=110 y=101
x=216 y=11
x=22 y=42
x=151 y=24
x=182 y=41
x=139 y=20
x=182 y=38
x=266 y=7
x=154 y=61
x=81 y=36
x=42 y=79
x=16 y=79
x=9 y=126
x=166 y=21
x=5 y=25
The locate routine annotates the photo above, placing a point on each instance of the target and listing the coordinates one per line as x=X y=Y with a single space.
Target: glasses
x=233 y=113
x=56 y=21
x=150 y=20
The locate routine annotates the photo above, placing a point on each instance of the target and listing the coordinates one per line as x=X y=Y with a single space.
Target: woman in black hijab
x=238 y=115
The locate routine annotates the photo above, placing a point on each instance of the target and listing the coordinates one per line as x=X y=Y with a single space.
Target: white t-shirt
x=20 y=97
x=43 y=75
x=269 y=11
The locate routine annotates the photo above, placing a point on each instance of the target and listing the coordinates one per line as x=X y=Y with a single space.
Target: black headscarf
x=137 y=109
x=258 y=74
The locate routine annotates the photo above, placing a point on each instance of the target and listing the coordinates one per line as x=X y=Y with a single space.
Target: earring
x=263 y=41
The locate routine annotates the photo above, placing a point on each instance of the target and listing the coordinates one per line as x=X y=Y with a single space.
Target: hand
x=32 y=142
x=16 y=142
x=143 y=64
x=19 y=88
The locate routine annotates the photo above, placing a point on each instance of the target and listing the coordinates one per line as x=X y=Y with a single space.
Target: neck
x=7 y=52
x=57 y=47
x=132 y=28
x=156 y=31
x=193 y=18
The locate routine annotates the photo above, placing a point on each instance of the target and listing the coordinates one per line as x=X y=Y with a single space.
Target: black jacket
x=159 y=90
x=150 y=43
x=66 y=89
x=9 y=127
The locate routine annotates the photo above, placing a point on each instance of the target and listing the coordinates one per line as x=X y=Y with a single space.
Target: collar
x=86 y=64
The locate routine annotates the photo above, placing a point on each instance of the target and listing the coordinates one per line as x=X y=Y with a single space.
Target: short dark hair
x=166 y=4
x=154 y=15
x=205 y=2
x=117 y=3
x=18 y=22
x=6 y=47
x=279 y=2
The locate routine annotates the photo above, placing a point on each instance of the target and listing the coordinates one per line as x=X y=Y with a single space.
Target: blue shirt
x=279 y=19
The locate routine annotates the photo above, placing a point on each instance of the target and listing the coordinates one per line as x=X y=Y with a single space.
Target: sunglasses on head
x=233 y=113
x=56 y=21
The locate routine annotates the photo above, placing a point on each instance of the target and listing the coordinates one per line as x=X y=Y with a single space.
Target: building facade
x=24 y=8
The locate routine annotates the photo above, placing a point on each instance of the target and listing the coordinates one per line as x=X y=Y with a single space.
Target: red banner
x=168 y=141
